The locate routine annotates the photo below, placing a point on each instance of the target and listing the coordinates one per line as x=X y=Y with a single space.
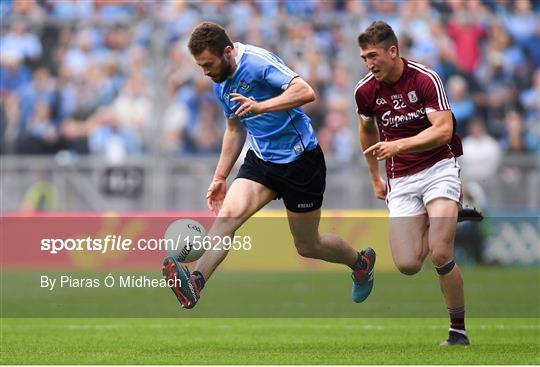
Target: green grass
x=264 y=341
x=490 y=292
x=270 y=318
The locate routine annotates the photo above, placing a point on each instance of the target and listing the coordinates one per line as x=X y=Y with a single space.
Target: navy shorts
x=300 y=183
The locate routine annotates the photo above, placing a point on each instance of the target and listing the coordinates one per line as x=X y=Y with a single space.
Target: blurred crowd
x=115 y=78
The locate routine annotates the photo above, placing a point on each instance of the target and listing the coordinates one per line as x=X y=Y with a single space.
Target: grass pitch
x=264 y=341
x=272 y=318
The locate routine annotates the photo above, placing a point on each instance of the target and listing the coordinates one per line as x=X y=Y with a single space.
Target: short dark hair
x=378 y=32
x=209 y=36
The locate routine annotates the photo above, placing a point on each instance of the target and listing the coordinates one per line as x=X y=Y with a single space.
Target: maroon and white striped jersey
x=401 y=111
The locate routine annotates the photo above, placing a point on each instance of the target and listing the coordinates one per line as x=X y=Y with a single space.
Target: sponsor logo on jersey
x=387 y=119
x=380 y=101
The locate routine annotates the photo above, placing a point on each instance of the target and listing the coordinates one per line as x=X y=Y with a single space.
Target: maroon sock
x=457 y=318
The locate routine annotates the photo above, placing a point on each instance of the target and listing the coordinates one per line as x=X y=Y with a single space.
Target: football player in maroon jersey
x=405 y=120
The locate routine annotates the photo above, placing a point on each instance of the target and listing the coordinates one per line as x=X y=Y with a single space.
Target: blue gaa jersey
x=278 y=137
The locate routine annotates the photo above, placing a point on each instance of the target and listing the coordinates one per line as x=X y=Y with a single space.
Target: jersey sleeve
x=431 y=88
x=274 y=71
x=362 y=105
x=227 y=112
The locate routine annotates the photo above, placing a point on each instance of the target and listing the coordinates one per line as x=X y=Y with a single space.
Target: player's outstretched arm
x=298 y=93
x=233 y=141
x=439 y=133
x=369 y=136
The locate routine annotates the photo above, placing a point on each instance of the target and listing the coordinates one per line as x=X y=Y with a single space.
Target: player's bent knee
x=308 y=246
x=308 y=252
x=307 y=249
x=409 y=268
x=440 y=258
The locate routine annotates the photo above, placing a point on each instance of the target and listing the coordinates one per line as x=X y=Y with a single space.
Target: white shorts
x=409 y=195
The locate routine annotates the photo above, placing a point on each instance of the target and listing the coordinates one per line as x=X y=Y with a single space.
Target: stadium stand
x=112 y=81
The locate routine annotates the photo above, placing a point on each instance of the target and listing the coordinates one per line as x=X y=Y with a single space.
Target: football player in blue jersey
x=261 y=98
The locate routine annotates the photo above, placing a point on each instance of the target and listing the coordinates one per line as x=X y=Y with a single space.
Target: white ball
x=187 y=238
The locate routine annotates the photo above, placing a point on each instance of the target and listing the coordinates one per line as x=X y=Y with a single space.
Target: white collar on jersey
x=241 y=48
